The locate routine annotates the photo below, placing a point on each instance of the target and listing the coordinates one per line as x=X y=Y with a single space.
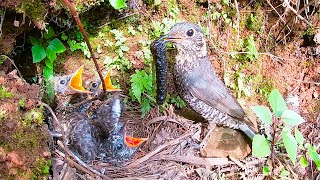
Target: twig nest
x=224 y=142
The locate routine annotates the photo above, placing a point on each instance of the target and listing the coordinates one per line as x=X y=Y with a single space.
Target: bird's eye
x=119 y=147
x=62 y=81
x=94 y=84
x=190 y=32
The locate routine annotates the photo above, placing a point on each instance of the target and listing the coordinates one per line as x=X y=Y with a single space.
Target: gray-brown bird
x=198 y=83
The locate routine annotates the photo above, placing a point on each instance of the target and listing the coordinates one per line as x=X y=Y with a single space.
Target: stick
x=80 y=162
x=12 y=62
x=195 y=160
x=83 y=32
x=152 y=153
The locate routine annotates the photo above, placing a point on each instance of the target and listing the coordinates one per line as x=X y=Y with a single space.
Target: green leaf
x=299 y=137
x=260 y=146
x=38 y=53
x=291 y=118
x=49 y=34
x=64 y=36
x=124 y=48
x=145 y=107
x=265 y=170
x=157 y=2
x=118 y=4
x=51 y=53
x=3 y=58
x=47 y=73
x=57 y=45
x=33 y=40
x=136 y=86
x=49 y=63
x=312 y=153
x=290 y=144
x=284 y=173
x=303 y=162
x=50 y=88
x=277 y=102
x=263 y=113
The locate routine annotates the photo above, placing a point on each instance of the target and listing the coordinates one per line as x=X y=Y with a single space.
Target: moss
x=33 y=116
x=4 y=93
x=42 y=168
x=254 y=22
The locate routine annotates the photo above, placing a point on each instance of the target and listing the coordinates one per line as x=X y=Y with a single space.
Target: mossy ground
x=24 y=149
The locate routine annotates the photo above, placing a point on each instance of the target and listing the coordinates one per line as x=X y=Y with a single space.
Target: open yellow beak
x=134 y=142
x=108 y=83
x=76 y=81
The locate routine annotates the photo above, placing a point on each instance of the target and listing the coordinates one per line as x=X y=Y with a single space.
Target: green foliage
x=142 y=90
x=263 y=113
x=277 y=102
x=118 y=4
x=120 y=61
x=22 y=102
x=254 y=23
x=4 y=93
x=76 y=42
x=313 y=154
x=47 y=49
x=43 y=168
x=261 y=147
x=163 y=27
x=33 y=117
x=265 y=170
x=249 y=48
x=178 y=102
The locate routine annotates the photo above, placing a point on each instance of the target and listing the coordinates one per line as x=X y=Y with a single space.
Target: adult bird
x=198 y=83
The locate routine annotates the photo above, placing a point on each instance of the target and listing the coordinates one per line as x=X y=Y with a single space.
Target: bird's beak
x=108 y=83
x=133 y=142
x=170 y=38
x=76 y=81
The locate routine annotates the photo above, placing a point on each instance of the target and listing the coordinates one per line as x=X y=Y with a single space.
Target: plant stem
x=83 y=32
x=275 y=124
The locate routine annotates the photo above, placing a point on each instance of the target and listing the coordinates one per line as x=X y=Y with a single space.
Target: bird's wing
x=206 y=86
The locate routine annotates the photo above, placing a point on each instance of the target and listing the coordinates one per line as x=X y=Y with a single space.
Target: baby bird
x=118 y=146
x=95 y=86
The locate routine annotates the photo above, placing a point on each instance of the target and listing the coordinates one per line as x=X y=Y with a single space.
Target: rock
x=224 y=142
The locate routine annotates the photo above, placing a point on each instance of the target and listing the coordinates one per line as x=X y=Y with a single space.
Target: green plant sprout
x=46 y=49
x=4 y=93
x=120 y=61
x=284 y=120
x=142 y=90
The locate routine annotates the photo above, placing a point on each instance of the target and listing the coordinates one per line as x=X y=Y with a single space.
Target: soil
x=288 y=62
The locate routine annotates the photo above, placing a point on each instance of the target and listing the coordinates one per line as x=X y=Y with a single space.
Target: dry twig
x=157 y=150
x=195 y=160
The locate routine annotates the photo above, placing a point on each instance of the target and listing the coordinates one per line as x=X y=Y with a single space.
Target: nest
x=171 y=152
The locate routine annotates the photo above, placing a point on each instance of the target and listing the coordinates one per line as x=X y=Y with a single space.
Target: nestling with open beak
x=96 y=87
x=198 y=83
x=118 y=146
x=70 y=84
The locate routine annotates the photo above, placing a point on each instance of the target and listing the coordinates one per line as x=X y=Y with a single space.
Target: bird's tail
x=248 y=130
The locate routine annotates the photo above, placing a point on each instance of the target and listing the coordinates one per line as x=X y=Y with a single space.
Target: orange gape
x=108 y=83
x=133 y=142
x=76 y=82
